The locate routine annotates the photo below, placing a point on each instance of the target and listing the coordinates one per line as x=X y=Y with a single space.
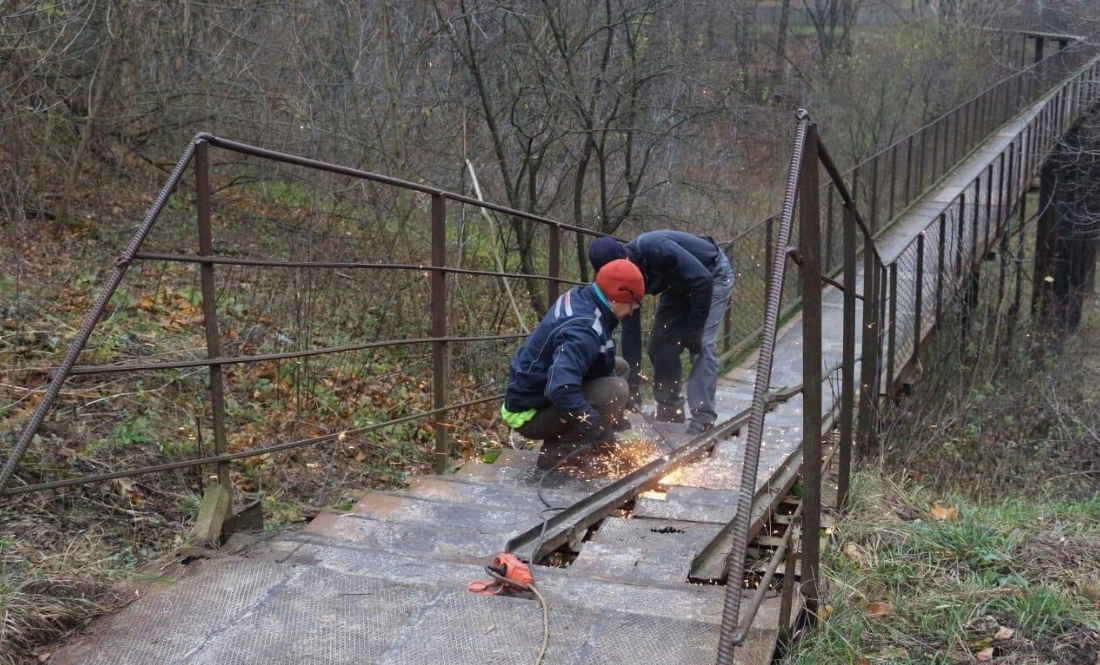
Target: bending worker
x=694 y=280
x=565 y=385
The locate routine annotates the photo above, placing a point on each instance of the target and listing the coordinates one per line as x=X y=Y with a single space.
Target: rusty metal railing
x=886 y=184
x=899 y=315
x=216 y=361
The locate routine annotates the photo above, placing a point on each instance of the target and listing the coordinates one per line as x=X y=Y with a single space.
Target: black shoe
x=698 y=427
x=554 y=451
x=622 y=424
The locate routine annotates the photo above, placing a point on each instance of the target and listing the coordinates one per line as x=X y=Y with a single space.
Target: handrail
x=732 y=604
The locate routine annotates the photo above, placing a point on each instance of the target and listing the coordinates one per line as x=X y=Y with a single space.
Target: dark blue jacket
x=572 y=344
x=680 y=264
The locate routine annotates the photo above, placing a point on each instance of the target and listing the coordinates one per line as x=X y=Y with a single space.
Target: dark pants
x=607 y=395
x=666 y=346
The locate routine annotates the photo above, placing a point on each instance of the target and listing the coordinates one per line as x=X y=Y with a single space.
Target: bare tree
x=576 y=100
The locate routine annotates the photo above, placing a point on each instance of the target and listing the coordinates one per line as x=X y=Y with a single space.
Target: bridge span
x=632 y=557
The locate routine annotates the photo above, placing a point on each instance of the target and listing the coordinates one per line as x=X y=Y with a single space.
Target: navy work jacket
x=572 y=344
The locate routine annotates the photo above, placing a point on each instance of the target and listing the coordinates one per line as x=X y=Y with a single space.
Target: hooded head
x=604 y=250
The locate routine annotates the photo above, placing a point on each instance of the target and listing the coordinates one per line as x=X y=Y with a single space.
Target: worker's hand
x=693 y=342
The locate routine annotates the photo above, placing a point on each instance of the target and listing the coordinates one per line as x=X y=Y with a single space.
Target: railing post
x=210 y=311
x=848 y=363
x=553 y=265
x=920 y=165
x=893 y=177
x=988 y=206
x=974 y=257
x=908 y=167
x=868 y=391
x=940 y=268
x=918 y=306
x=959 y=229
x=892 y=346
x=874 y=194
x=936 y=146
x=440 y=372
x=809 y=242
x=829 y=231
x=947 y=142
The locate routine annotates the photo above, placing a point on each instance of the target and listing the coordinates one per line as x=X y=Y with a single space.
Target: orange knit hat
x=621 y=281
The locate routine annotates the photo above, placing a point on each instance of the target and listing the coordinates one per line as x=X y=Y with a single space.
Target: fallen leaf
x=360 y=456
x=985 y=655
x=856 y=554
x=874 y=610
x=944 y=513
x=827 y=612
x=1004 y=633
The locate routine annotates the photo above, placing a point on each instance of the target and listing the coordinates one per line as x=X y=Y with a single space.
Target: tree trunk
x=779 y=73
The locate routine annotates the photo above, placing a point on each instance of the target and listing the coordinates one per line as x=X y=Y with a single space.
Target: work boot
x=698 y=427
x=668 y=415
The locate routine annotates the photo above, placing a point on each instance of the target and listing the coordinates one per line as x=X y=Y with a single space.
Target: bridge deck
x=385 y=581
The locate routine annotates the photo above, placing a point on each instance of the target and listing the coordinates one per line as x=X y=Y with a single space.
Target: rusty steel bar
x=893 y=178
x=735 y=564
x=940 y=268
x=892 y=345
x=959 y=240
x=229 y=457
x=882 y=294
x=348 y=265
x=958 y=148
x=920 y=166
x=855 y=193
x=918 y=318
x=286 y=158
x=122 y=264
x=988 y=206
x=848 y=197
x=946 y=143
x=809 y=240
x=908 y=168
x=553 y=264
x=210 y=312
x=974 y=257
x=874 y=196
x=936 y=147
x=867 y=363
x=183 y=364
x=440 y=373
x=769 y=573
x=848 y=355
x=786 y=598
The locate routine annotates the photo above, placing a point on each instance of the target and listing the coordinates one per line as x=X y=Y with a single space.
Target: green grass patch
x=905 y=587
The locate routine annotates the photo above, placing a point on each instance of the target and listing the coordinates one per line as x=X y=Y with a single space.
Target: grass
x=905 y=587
x=974 y=533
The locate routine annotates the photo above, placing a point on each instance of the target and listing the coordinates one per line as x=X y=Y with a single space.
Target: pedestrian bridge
x=678 y=550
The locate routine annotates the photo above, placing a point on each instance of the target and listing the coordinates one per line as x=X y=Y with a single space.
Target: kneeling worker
x=565 y=385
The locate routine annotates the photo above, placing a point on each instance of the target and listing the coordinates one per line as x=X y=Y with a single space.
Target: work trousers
x=607 y=395
x=666 y=346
